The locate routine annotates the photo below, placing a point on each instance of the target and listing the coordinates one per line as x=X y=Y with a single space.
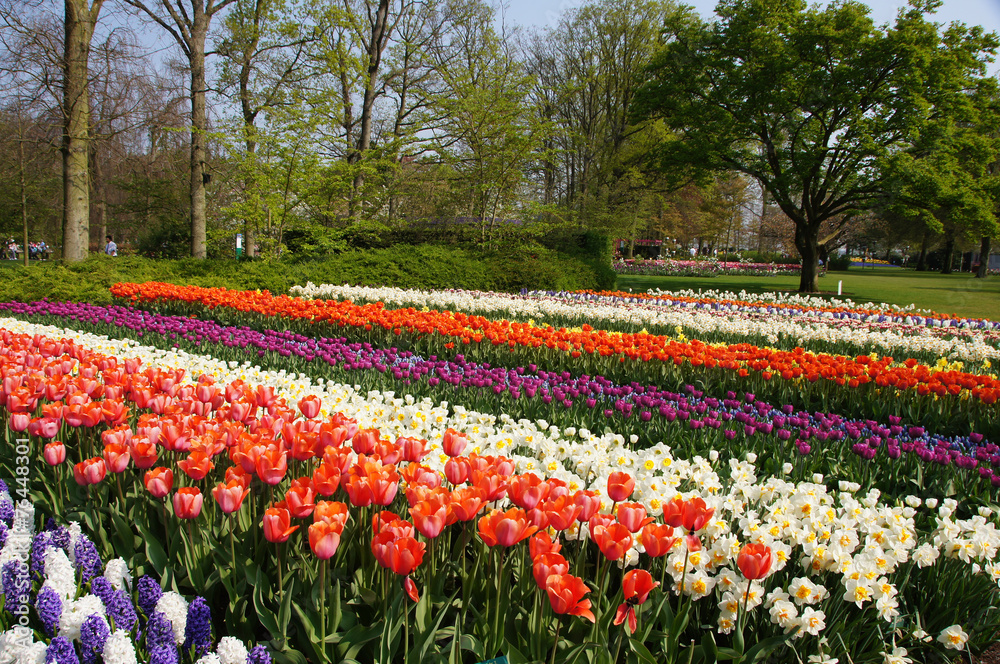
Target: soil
x=989 y=656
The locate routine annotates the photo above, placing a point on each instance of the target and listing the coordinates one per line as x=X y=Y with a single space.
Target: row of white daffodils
x=800 y=329
x=854 y=541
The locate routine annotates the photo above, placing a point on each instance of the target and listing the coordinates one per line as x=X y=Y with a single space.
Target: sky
x=543 y=13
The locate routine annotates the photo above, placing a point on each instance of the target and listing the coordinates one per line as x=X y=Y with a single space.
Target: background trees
x=779 y=127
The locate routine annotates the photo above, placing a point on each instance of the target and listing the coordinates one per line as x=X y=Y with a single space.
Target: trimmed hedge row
x=420 y=266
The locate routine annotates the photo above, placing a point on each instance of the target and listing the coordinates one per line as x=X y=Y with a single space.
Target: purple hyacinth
x=149 y=594
x=121 y=611
x=61 y=651
x=61 y=538
x=4 y=530
x=39 y=546
x=3 y=487
x=102 y=588
x=88 y=561
x=159 y=632
x=259 y=655
x=7 y=512
x=198 y=628
x=14 y=578
x=48 y=605
x=163 y=654
x=93 y=634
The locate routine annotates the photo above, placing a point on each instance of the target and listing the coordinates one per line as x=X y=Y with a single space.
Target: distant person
x=111 y=249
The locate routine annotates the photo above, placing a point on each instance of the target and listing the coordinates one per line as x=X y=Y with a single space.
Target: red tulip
x=614 y=540
x=301 y=498
x=430 y=516
x=230 y=495
x=695 y=515
x=561 y=512
x=44 y=427
x=197 y=465
x=271 y=465
x=54 y=453
x=159 y=481
x=19 y=421
x=324 y=538
x=332 y=511
x=633 y=516
x=326 y=479
x=310 y=405
x=527 y=490
x=566 y=593
x=754 y=560
x=547 y=564
x=457 y=470
x=91 y=471
x=466 y=502
x=673 y=512
x=636 y=585
x=276 y=525
x=187 y=502
x=401 y=555
x=414 y=449
x=620 y=486
x=364 y=440
x=411 y=589
x=589 y=502
x=657 y=539
x=453 y=443
x=542 y=543
x=505 y=528
x=144 y=453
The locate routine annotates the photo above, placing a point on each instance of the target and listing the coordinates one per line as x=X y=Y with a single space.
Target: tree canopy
x=813 y=102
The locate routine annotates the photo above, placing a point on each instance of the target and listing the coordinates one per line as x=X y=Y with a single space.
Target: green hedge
x=421 y=266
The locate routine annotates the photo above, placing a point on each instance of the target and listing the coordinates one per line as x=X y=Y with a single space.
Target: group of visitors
x=39 y=250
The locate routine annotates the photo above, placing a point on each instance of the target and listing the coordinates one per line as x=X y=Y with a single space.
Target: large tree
x=188 y=21
x=810 y=101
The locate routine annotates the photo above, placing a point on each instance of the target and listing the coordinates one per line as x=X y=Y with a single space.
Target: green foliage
x=840 y=263
x=421 y=266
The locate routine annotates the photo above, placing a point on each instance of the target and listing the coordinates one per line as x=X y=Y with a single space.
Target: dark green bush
x=840 y=263
x=421 y=266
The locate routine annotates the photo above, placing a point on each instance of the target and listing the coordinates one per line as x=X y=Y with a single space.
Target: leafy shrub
x=420 y=266
x=840 y=263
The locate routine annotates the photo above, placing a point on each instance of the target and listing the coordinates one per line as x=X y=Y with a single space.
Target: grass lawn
x=960 y=294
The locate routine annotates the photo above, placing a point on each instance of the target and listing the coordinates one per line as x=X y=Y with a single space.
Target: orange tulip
x=326 y=479
x=300 y=498
x=310 y=406
x=431 y=515
x=466 y=502
x=505 y=528
x=332 y=511
x=527 y=490
x=657 y=539
x=276 y=525
x=566 y=593
x=230 y=495
x=271 y=465
x=754 y=560
x=547 y=564
x=636 y=586
x=91 y=471
x=187 y=502
x=453 y=443
x=159 y=481
x=541 y=543
x=620 y=486
x=613 y=540
x=197 y=465
x=324 y=538
x=561 y=512
x=633 y=516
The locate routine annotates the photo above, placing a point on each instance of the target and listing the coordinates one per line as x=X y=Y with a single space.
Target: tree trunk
x=377 y=44
x=922 y=258
x=984 y=257
x=807 y=242
x=79 y=28
x=249 y=223
x=99 y=202
x=199 y=132
x=24 y=190
x=949 y=255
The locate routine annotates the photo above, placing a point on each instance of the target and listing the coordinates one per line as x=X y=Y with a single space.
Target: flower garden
x=669 y=267
x=350 y=474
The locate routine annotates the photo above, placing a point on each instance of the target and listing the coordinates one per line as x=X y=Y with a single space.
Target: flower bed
x=731 y=319
x=878 y=387
x=692 y=421
x=772 y=563
x=702 y=268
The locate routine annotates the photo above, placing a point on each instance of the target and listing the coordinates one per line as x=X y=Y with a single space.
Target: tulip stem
x=555 y=645
x=281 y=577
x=166 y=533
x=322 y=609
x=232 y=546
